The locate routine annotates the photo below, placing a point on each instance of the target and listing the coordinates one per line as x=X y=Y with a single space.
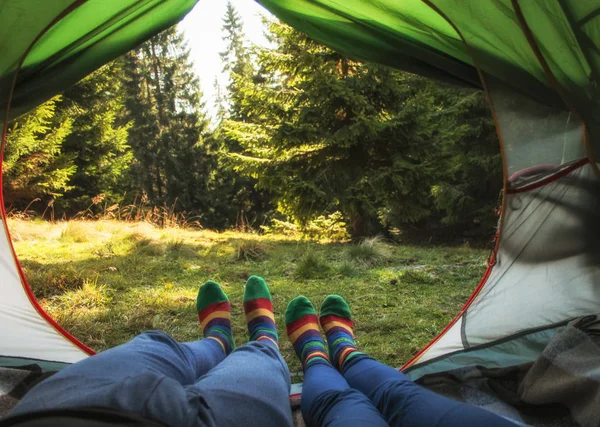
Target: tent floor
x=15 y=382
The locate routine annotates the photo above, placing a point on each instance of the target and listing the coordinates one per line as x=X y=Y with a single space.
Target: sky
x=202 y=29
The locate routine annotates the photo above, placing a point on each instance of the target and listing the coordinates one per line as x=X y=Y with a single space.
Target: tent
x=538 y=62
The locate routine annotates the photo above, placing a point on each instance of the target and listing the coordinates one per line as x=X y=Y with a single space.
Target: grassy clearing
x=106 y=281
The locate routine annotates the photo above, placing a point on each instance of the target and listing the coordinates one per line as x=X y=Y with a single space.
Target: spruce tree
x=169 y=135
x=35 y=164
x=334 y=134
x=466 y=194
x=236 y=59
x=98 y=139
x=325 y=133
x=240 y=201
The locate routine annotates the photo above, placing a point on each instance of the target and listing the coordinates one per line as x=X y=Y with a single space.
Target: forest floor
x=106 y=281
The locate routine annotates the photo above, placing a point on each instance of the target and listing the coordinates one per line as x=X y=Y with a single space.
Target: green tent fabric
x=545 y=50
x=410 y=34
x=388 y=31
x=414 y=35
x=75 y=38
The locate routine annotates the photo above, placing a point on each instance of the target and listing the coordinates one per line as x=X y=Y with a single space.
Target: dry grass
x=106 y=281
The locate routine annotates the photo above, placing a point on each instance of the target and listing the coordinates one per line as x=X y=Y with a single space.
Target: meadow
x=106 y=281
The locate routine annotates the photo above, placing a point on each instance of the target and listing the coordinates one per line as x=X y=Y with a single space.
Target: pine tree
x=240 y=201
x=236 y=58
x=169 y=136
x=466 y=194
x=324 y=133
x=98 y=138
x=333 y=134
x=35 y=164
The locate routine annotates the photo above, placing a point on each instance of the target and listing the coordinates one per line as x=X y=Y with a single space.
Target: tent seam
x=487 y=273
x=550 y=179
x=516 y=335
x=530 y=37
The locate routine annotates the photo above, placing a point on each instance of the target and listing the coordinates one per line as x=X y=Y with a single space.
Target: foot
x=337 y=324
x=259 y=311
x=214 y=314
x=303 y=331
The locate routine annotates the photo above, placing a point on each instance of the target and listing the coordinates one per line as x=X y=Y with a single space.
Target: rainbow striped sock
x=302 y=326
x=336 y=321
x=214 y=314
x=259 y=311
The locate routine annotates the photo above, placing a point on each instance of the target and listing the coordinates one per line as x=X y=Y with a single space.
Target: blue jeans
x=370 y=393
x=180 y=384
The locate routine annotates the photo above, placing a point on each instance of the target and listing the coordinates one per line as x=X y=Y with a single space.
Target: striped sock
x=214 y=313
x=259 y=311
x=336 y=322
x=302 y=326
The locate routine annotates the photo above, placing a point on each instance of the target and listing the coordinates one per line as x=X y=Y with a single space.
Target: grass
x=311 y=265
x=370 y=252
x=106 y=281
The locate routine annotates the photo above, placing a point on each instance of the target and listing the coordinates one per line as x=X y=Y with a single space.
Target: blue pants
x=370 y=393
x=180 y=384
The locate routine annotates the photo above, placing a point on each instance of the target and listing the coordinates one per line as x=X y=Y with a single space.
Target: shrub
x=330 y=227
x=280 y=227
x=370 y=252
x=311 y=266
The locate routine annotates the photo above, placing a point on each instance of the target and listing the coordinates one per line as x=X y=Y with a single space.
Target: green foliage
x=323 y=133
x=99 y=139
x=236 y=200
x=169 y=137
x=74 y=232
x=416 y=276
x=147 y=247
x=346 y=269
x=35 y=163
x=89 y=297
x=467 y=192
x=311 y=142
x=236 y=59
x=281 y=227
x=330 y=227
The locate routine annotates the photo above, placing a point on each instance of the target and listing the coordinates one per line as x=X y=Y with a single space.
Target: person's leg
x=123 y=377
x=327 y=399
x=251 y=386
x=400 y=401
x=152 y=354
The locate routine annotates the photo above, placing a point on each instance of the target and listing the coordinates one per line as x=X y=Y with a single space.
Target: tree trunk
x=357 y=227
